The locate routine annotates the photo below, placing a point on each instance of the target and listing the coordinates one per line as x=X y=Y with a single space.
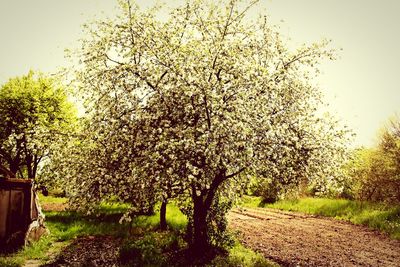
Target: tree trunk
x=29 y=166
x=163 y=212
x=14 y=169
x=200 y=241
x=200 y=244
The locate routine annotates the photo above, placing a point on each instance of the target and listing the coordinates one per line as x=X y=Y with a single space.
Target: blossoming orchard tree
x=192 y=105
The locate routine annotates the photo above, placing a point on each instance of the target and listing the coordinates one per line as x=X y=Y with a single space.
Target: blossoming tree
x=192 y=105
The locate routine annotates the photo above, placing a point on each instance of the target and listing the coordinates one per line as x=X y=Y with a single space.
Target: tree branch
x=235 y=173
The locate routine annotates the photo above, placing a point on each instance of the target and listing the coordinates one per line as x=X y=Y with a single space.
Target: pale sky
x=361 y=87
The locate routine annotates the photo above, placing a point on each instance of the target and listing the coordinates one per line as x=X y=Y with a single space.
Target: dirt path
x=293 y=239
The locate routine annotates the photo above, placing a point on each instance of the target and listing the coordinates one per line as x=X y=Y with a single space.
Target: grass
x=175 y=219
x=52 y=199
x=238 y=255
x=142 y=243
x=374 y=215
x=35 y=251
x=151 y=248
x=251 y=202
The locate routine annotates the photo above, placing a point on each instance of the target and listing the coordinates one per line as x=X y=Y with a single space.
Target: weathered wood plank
x=4 y=203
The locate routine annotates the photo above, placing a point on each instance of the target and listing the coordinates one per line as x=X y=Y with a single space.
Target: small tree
x=34 y=113
x=199 y=102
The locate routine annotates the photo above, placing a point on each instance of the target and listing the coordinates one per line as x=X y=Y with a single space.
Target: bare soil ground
x=54 y=206
x=89 y=251
x=294 y=239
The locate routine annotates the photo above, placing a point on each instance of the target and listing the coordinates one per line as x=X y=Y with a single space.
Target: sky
x=361 y=87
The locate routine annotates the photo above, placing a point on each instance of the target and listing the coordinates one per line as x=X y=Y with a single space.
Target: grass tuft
x=238 y=255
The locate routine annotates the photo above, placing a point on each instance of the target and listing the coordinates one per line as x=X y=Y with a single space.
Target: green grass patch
x=375 y=215
x=14 y=261
x=238 y=255
x=251 y=201
x=35 y=251
x=175 y=219
x=68 y=225
x=112 y=207
x=52 y=199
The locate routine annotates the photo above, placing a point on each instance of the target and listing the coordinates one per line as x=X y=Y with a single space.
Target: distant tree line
x=374 y=173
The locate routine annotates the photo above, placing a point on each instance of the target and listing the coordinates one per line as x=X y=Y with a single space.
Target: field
x=378 y=216
x=299 y=239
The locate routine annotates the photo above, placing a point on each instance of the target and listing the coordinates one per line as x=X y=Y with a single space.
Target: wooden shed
x=21 y=219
